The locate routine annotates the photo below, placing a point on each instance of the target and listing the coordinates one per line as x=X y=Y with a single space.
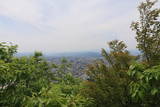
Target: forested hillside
x=125 y=80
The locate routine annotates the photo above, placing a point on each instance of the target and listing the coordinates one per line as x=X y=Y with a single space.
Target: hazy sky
x=67 y=25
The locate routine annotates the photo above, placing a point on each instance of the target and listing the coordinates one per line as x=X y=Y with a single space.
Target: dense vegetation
x=120 y=80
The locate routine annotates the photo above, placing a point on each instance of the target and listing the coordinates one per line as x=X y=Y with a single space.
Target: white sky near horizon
x=67 y=25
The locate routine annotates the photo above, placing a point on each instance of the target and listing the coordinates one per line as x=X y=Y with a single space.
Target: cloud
x=26 y=11
x=66 y=25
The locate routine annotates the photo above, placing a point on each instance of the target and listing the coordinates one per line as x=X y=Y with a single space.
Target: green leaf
x=154 y=91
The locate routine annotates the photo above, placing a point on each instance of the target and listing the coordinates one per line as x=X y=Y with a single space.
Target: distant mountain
x=75 y=54
x=135 y=52
x=68 y=54
x=19 y=54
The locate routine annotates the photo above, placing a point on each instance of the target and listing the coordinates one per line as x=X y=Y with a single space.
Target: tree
x=31 y=82
x=107 y=87
x=23 y=78
x=108 y=84
x=144 y=87
x=145 y=77
x=147 y=30
x=7 y=51
x=119 y=57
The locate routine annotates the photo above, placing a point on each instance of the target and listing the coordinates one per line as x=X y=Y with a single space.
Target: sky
x=67 y=25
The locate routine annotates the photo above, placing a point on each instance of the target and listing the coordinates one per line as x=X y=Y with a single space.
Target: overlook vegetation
x=125 y=81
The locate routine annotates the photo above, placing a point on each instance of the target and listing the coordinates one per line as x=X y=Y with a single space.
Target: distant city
x=78 y=60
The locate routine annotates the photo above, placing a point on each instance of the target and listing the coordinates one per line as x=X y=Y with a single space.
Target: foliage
x=62 y=69
x=22 y=78
x=7 y=51
x=145 y=87
x=148 y=32
x=119 y=58
x=145 y=77
x=70 y=87
x=118 y=80
x=108 y=85
x=30 y=82
x=64 y=94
